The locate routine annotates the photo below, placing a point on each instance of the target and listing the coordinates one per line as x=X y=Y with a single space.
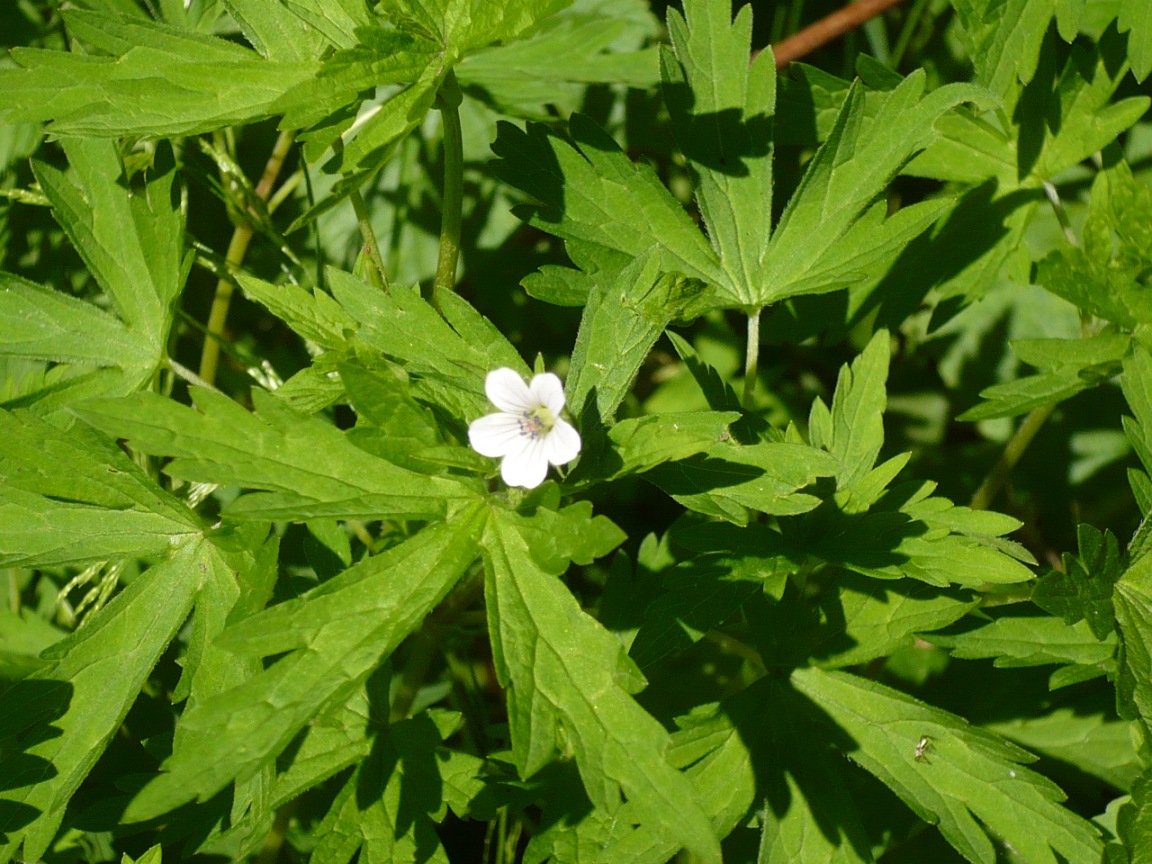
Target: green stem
x=377 y=275
x=448 y=103
x=237 y=249
x=751 y=359
x=1013 y=451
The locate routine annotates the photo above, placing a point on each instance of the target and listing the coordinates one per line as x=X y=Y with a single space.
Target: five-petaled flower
x=528 y=432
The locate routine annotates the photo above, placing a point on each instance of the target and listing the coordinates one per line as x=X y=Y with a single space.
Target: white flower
x=528 y=432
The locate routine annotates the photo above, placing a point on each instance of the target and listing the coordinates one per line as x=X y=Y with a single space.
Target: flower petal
x=496 y=435
x=562 y=444
x=548 y=391
x=526 y=468
x=508 y=392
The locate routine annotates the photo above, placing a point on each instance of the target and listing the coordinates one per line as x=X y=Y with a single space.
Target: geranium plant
x=821 y=391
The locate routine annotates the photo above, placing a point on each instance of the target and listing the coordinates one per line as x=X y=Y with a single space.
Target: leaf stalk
x=448 y=103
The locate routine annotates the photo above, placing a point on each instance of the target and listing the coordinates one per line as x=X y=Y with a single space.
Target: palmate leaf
x=44 y=324
x=1132 y=602
x=74 y=497
x=971 y=783
x=1070 y=366
x=81 y=698
x=879 y=618
x=1084 y=590
x=853 y=430
x=278 y=33
x=761 y=751
x=639 y=444
x=623 y=318
x=1081 y=732
x=448 y=354
x=1082 y=116
x=728 y=480
x=159 y=81
x=1019 y=640
x=1136 y=20
x=808 y=252
x=606 y=207
x=1003 y=37
x=132 y=241
x=1107 y=276
x=588 y=43
x=336 y=636
x=911 y=532
x=722 y=115
x=567 y=676
x=388 y=806
x=310 y=468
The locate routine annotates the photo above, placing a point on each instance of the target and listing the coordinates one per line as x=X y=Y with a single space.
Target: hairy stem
x=448 y=103
x=1013 y=451
x=377 y=276
x=751 y=359
x=237 y=249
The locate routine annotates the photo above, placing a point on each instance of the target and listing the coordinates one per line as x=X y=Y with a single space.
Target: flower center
x=537 y=423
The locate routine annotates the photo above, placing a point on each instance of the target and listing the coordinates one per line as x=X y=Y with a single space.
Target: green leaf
x=81 y=699
x=275 y=31
x=336 y=19
x=572 y=534
x=880 y=618
x=705 y=590
x=1132 y=602
x=1003 y=38
x=622 y=320
x=1107 y=276
x=1135 y=19
x=910 y=532
x=316 y=316
x=607 y=208
x=337 y=634
x=161 y=81
x=1083 y=735
x=564 y=675
x=309 y=467
x=75 y=497
x=152 y=856
x=1073 y=365
x=447 y=356
x=593 y=43
x=387 y=808
x=131 y=240
x=727 y=480
x=970 y=783
x=1084 y=589
x=639 y=444
x=853 y=431
x=50 y=325
x=842 y=181
x=1017 y=640
x=1083 y=119
x=722 y=115
x=1137 y=384
x=335 y=739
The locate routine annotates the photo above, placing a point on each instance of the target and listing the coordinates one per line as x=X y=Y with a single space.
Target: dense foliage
x=853 y=563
